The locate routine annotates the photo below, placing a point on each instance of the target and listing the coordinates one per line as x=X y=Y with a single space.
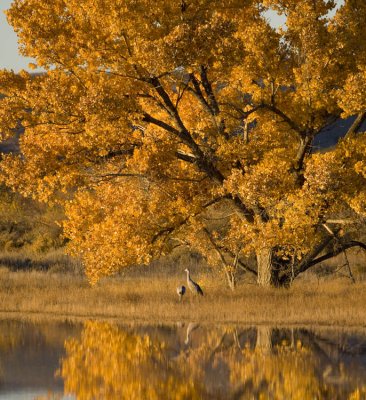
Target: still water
x=99 y=360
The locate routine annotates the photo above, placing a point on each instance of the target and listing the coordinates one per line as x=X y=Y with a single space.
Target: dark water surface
x=99 y=360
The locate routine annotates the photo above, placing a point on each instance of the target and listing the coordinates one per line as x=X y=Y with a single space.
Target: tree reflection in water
x=198 y=362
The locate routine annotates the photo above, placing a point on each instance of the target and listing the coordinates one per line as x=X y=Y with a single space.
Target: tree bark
x=360 y=119
x=265 y=271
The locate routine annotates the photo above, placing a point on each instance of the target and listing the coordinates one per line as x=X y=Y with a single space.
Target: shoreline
x=39 y=317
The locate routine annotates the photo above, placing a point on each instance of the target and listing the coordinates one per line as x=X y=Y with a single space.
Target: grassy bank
x=153 y=298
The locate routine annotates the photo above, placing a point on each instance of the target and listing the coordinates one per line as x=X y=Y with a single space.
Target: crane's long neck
x=188 y=277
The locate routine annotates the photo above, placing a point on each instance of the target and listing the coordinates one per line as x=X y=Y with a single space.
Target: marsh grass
x=154 y=299
x=53 y=285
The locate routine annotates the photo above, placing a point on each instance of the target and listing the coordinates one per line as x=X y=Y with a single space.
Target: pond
x=100 y=360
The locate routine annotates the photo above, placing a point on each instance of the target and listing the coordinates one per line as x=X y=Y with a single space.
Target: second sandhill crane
x=193 y=286
x=180 y=291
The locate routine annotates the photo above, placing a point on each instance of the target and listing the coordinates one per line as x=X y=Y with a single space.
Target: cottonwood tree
x=155 y=120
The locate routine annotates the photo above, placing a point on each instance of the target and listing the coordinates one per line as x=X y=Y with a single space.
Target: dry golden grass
x=154 y=299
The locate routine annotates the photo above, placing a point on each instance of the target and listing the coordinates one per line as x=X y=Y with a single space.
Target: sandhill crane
x=193 y=286
x=180 y=291
x=191 y=327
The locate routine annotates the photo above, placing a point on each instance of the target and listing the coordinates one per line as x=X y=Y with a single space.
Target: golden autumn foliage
x=150 y=117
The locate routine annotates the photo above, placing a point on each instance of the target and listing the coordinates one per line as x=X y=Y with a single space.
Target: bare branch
x=326 y=227
x=341 y=221
x=149 y=118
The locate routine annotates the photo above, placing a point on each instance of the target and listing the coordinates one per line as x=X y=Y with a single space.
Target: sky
x=9 y=56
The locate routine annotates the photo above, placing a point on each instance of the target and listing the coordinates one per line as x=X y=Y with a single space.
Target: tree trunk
x=264 y=339
x=275 y=272
x=266 y=275
x=230 y=276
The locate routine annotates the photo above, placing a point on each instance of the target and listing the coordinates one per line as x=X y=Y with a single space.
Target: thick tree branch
x=202 y=162
x=341 y=221
x=303 y=266
x=199 y=95
x=286 y=118
x=182 y=132
x=190 y=158
x=168 y=103
x=334 y=253
x=209 y=91
x=242 y=209
x=150 y=119
x=197 y=92
x=303 y=149
x=360 y=119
